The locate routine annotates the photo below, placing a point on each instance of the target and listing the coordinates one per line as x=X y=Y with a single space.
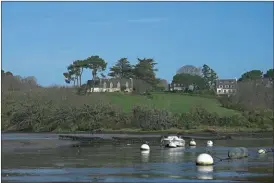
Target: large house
x=176 y=87
x=110 y=85
x=179 y=87
x=226 y=86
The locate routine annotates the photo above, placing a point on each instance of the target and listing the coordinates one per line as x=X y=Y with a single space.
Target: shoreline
x=204 y=132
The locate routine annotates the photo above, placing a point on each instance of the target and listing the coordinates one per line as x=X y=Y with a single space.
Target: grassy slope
x=173 y=102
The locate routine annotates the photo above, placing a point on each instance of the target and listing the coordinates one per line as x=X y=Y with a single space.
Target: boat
x=165 y=141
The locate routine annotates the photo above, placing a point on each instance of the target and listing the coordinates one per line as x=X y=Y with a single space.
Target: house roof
x=226 y=81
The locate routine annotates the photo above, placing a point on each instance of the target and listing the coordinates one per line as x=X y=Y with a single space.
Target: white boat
x=165 y=141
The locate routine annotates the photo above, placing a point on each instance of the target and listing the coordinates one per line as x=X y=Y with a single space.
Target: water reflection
x=239 y=165
x=205 y=172
x=173 y=154
x=145 y=156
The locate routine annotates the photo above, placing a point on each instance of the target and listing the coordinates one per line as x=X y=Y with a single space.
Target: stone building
x=110 y=85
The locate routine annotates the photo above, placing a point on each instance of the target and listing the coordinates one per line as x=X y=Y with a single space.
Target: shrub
x=61 y=109
x=152 y=119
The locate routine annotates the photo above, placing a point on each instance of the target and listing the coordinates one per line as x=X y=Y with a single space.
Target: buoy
x=209 y=143
x=144 y=147
x=192 y=142
x=172 y=145
x=204 y=159
x=262 y=151
x=238 y=152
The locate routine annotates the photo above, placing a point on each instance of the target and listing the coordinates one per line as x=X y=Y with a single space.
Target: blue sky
x=41 y=38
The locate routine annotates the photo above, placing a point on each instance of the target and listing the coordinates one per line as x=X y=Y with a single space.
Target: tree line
x=205 y=78
x=11 y=82
x=195 y=79
x=143 y=70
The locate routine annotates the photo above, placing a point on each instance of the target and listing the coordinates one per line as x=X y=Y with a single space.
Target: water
x=125 y=163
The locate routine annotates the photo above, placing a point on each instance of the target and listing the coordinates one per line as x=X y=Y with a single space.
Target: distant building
x=176 y=87
x=110 y=85
x=226 y=86
x=179 y=87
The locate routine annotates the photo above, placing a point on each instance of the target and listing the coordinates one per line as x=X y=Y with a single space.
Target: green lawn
x=172 y=102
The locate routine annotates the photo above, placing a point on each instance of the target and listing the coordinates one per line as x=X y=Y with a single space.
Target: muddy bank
x=256 y=134
x=12 y=142
x=27 y=145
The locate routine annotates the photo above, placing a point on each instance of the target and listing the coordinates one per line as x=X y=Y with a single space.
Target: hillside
x=172 y=102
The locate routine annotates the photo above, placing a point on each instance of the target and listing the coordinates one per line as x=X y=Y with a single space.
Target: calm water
x=125 y=163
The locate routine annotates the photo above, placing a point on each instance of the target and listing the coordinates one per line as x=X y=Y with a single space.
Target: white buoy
x=192 y=143
x=204 y=159
x=172 y=145
x=261 y=151
x=144 y=147
x=209 y=143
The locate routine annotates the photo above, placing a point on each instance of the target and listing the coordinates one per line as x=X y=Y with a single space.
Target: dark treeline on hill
x=26 y=106
x=9 y=82
x=254 y=92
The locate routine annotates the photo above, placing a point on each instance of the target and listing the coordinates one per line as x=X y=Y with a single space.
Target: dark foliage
x=61 y=109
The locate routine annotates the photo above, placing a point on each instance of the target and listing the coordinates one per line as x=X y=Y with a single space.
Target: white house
x=226 y=86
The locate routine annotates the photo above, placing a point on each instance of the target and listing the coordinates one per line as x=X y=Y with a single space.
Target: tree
x=79 y=66
x=74 y=73
x=213 y=78
x=162 y=84
x=187 y=80
x=206 y=74
x=210 y=76
x=122 y=69
x=251 y=75
x=269 y=74
x=95 y=64
x=8 y=73
x=31 y=80
x=68 y=78
x=145 y=70
x=189 y=69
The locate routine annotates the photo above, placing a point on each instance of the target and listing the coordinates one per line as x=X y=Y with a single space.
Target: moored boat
x=165 y=141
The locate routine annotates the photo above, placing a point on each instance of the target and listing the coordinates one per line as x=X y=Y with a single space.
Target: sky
x=42 y=38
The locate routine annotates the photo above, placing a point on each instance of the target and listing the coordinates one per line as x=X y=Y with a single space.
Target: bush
x=50 y=111
x=61 y=109
x=152 y=119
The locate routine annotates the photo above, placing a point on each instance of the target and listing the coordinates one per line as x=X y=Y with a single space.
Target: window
x=231 y=86
x=174 y=84
x=219 y=91
x=224 y=91
x=226 y=86
x=220 y=86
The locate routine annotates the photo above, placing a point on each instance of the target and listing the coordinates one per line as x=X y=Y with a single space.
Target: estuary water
x=43 y=158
